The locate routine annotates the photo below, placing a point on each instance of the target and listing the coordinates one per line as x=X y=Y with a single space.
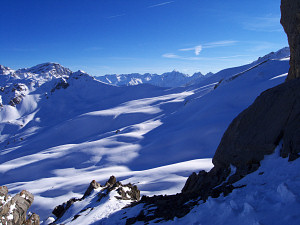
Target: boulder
x=93 y=185
x=111 y=181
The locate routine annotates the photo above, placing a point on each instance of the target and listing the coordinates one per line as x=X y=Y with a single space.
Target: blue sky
x=126 y=36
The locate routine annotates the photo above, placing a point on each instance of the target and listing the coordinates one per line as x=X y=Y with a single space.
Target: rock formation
x=290 y=20
x=123 y=192
x=13 y=210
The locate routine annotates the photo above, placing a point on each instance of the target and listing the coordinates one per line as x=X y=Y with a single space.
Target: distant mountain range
x=47 y=71
x=175 y=78
x=168 y=79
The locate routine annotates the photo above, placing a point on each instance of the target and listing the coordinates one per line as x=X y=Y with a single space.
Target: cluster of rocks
x=13 y=210
x=125 y=192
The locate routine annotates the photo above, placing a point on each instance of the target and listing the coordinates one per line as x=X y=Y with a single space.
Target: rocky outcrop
x=122 y=192
x=62 y=83
x=13 y=210
x=290 y=20
x=274 y=117
x=93 y=185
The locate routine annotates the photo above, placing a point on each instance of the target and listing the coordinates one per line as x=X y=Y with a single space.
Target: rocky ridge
x=96 y=195
x=21 y=82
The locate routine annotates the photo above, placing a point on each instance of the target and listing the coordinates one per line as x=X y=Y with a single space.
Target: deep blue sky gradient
x=124 y=36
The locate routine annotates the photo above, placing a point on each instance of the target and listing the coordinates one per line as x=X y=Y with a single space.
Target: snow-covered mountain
x=66 y=129
x=169 y=79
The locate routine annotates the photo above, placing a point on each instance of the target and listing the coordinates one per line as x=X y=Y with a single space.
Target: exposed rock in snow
x=13 y=209
x=94 y=199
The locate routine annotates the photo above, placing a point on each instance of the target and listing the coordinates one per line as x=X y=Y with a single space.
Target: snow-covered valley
x=60 y=130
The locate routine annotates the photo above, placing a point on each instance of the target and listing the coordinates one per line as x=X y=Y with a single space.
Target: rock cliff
x=290 y=20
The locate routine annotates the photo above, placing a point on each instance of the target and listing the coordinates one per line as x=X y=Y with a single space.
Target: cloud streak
x=151 y=6
x=161 y=4
x=223 y=58
x=197 y=49
x=267 y=23
x=115 y=16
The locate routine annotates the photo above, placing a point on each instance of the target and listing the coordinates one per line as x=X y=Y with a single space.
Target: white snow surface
x=270 y=196
x=57 y=140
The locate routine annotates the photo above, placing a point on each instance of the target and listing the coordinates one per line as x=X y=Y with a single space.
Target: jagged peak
x=175 y=72
x=52 y=68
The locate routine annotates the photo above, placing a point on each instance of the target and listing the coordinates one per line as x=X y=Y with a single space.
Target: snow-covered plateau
x=59 y=130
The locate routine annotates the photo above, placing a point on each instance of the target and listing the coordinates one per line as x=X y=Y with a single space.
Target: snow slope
x=69 y=129
x=270 y=195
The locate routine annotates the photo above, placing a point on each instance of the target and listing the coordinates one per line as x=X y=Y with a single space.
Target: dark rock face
x=257 y=130
x=60 y=210
x=61 y=84
x=273 y=117
x=13 y=209
x=290 y=20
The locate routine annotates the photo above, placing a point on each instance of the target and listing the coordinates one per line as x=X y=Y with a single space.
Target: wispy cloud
x=267 y=23
x=115 y=16
x=222 y=58
x=171 y=56
x=198 y=48
x=161 y=4
x=151 y=6
x=219 y=44
x=262 y=46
